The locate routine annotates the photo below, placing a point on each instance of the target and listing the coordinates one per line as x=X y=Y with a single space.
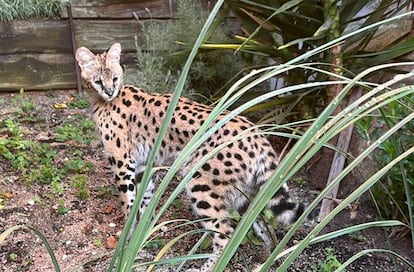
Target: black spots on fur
x=214 y=195
x=216 y=172
x=173 y=121
x=273 y=166
x=123 y=188
x=161 y=114
x=139 y=124
x=238 y=157
x=147 y=112
x=222 y=236
x=220 y=156
x=157 y=103
x=217 y=182
x=228 y=163
x=196 y=175
x=206 y=167
x=219 y=208
x=228 y=171
x=131 y=187
x=118 y=143
x=126 y=102
x=243 y=208
x=271 y=154
x=282 y=192
x=186 y=134
x=191 y=121
x=151 y=100
x=183 y=117
x=200 y=188
x=243 y=127
x=282 y=207
x=203 y=205
x=111 y=160
x=119 y=164
x=133 y=118
x=107 y=137
x=251 y=154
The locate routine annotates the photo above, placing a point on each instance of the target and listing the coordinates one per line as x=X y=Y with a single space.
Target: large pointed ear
x=85 y=58
x=114 y=54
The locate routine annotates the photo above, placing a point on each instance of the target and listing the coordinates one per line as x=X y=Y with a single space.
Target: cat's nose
x=109 y=92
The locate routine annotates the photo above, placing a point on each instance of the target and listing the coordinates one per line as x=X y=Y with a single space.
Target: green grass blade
x=39 y=234
x=371 y=251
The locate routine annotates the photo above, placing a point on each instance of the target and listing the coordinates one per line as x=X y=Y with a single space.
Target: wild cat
x=128 y=120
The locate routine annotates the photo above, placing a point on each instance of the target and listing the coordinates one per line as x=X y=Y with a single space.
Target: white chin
x=107 y=97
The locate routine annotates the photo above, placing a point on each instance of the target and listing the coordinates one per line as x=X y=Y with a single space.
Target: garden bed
x=59 y=183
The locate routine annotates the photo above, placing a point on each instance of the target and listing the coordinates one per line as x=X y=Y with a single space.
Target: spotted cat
x=128 y=120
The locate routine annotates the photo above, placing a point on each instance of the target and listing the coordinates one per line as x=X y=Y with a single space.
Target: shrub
x=165 y=46
x=395 y=193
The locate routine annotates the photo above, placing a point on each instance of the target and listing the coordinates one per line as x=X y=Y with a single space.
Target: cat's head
x=102 y=72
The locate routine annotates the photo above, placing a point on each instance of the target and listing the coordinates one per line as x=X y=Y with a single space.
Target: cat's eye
x=115 y=80
x=98 y=82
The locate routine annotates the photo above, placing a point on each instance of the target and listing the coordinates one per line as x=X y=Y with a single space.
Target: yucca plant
x=283 y=30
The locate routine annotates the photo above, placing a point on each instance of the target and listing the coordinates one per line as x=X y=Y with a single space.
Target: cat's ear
x=85 y=58
x=113 y=56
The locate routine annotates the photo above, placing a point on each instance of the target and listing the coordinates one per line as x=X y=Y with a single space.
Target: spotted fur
x=128 y=120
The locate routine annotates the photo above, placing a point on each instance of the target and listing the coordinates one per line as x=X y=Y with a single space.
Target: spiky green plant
x=283 y=30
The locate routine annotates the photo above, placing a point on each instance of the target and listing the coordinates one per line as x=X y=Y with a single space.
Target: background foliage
x=19 y=10
x=165 y=48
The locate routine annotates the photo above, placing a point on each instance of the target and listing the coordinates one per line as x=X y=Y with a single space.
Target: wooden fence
x=37 y=54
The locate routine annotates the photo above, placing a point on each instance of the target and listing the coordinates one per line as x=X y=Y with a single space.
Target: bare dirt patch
x=81 y=222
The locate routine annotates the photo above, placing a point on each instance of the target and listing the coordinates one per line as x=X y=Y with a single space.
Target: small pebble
x=112 y=225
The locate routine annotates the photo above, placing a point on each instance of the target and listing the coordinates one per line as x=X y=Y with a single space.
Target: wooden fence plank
x=44 y=71
x=52 y=36
x=35 y=36
x=37 y=71
x=100 y=34
x=122 y=9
